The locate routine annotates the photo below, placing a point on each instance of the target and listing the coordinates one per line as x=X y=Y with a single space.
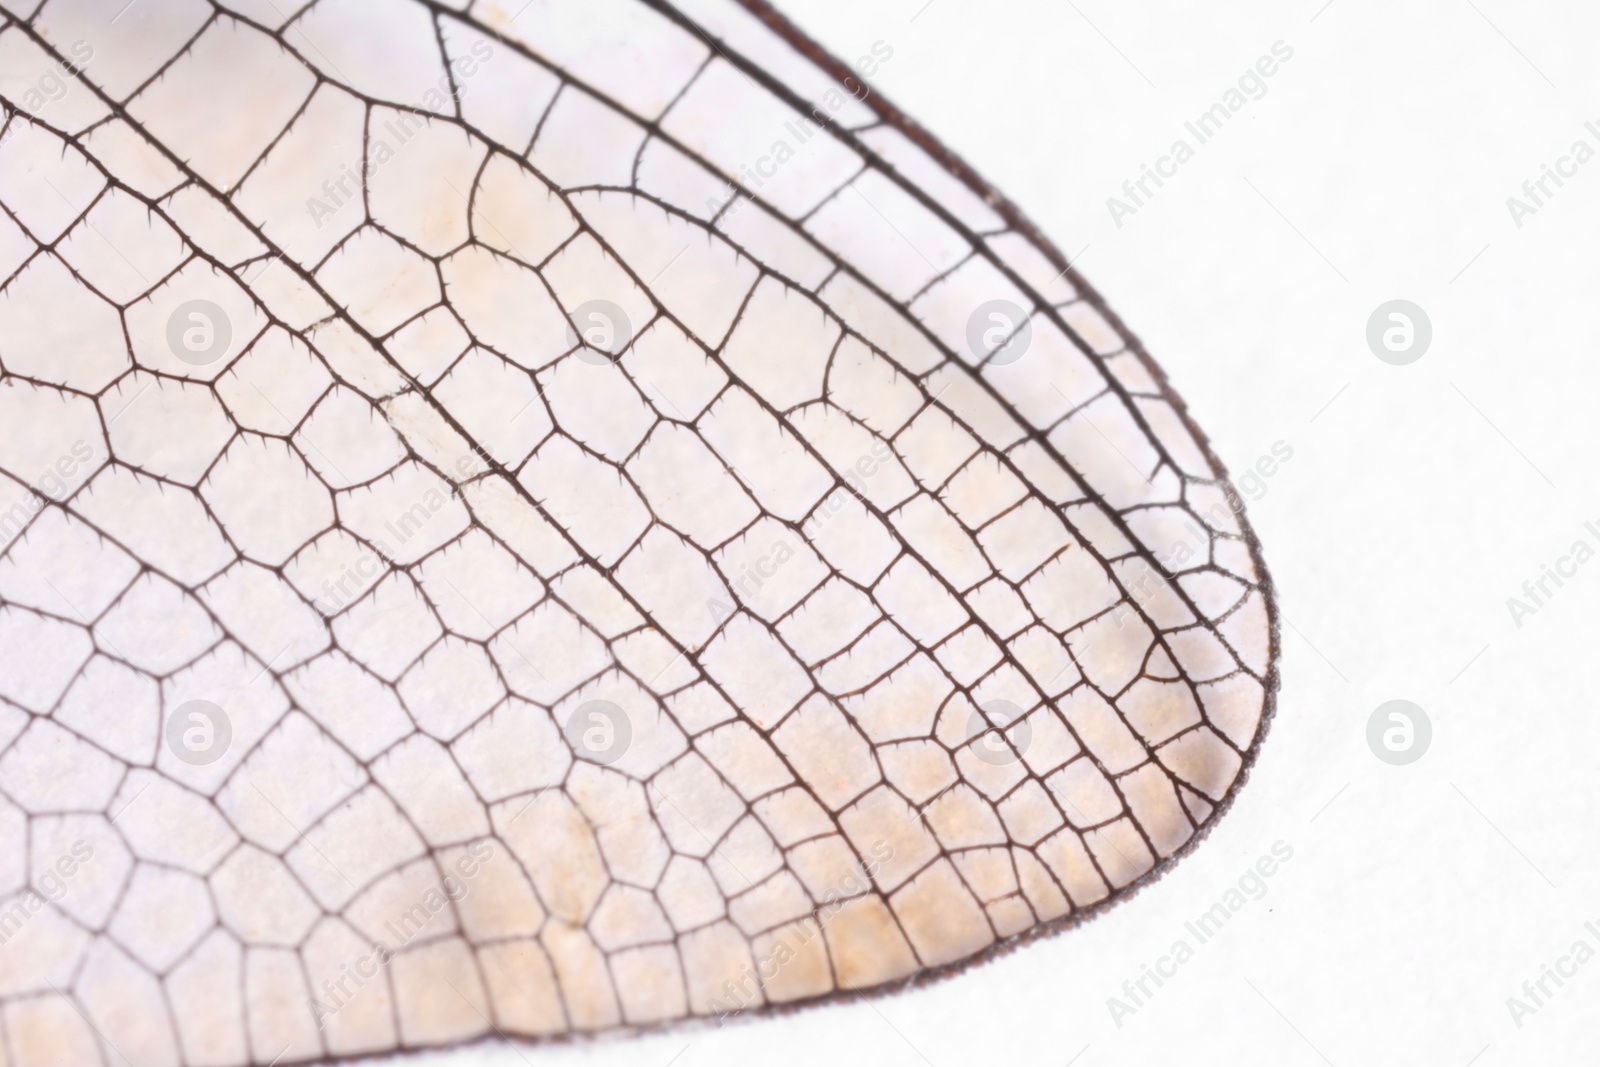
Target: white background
x=1418 y=500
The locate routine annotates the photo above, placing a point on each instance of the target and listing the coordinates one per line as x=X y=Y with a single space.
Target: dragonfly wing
x=549 y=521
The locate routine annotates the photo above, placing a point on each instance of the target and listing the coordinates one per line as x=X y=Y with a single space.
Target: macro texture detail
x=536 y=522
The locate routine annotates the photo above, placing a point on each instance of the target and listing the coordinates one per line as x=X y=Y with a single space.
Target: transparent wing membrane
x=537 y=522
